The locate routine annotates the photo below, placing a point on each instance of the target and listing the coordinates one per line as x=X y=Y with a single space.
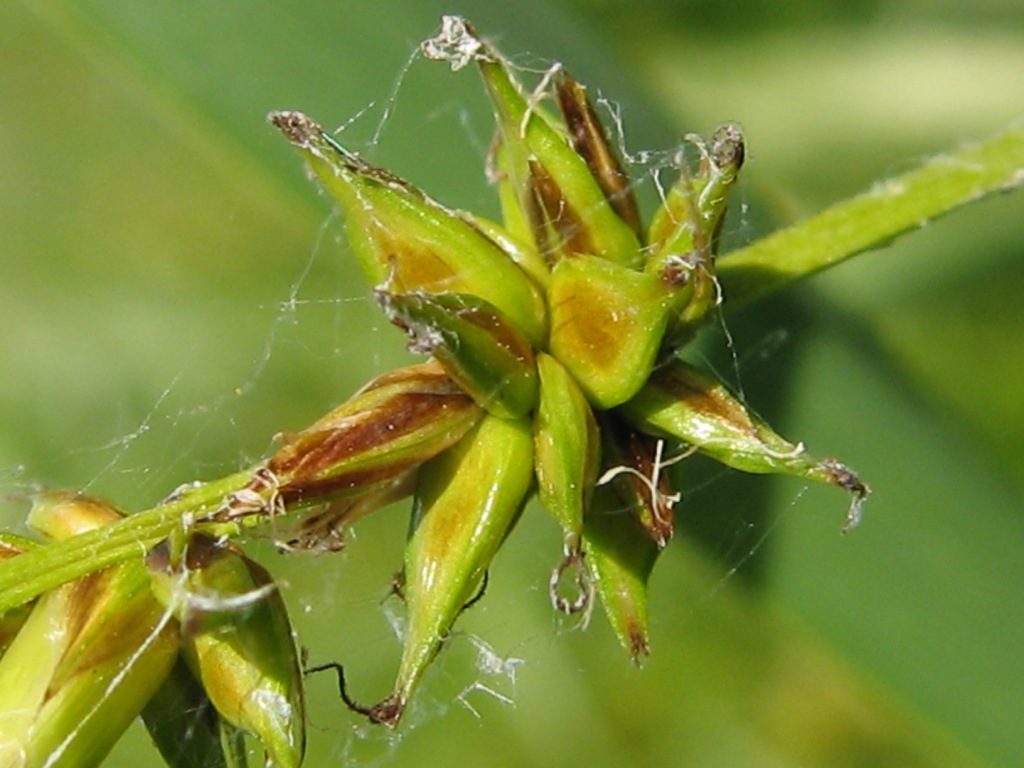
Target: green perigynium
x=555 y=369
x=237 y=643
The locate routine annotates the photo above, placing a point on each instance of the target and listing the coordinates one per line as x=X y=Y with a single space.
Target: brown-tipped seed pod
x=682 y=402
x=391 y=426
x=683 y=237
x=620 y=556
x=406 y=241
x=567 y=196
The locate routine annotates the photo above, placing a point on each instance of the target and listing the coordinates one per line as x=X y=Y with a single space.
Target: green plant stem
x=32 y=573
x=874 y=218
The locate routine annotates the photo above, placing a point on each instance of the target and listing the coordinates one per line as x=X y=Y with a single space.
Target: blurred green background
x=173 y=292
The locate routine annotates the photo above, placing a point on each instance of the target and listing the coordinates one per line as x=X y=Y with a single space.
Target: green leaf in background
x=847 y=229
x=172 y=297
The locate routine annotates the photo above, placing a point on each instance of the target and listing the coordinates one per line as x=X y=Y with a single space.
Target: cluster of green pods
x=553 y=371
x=558 y=333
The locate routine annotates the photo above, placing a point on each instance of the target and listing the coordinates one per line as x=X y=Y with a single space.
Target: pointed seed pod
x=392 y=425
x=477 y=346
x=696 y=203
x=237 y=640
x=620 y=556
x=568 y=209
x=467 y=500
x=567 y=449
x=407 y=242
x=590 y=140
x=683 y=402
x=683 y=236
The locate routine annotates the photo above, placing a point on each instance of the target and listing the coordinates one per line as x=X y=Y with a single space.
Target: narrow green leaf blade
x=873 y=218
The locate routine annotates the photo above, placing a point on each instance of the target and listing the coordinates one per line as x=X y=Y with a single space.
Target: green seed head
x=554 y=339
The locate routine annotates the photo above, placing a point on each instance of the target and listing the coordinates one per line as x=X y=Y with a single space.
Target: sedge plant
x=555 y=366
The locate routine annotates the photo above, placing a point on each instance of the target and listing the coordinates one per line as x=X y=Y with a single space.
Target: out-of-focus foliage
x=172 y=297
